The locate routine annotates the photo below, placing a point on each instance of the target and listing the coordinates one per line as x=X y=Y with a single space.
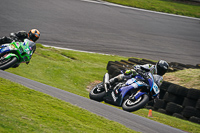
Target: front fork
x=9 y=55
x=106 y=81
x=137 y=95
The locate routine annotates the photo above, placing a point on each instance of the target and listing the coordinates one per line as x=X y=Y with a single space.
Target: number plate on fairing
x=155 y=88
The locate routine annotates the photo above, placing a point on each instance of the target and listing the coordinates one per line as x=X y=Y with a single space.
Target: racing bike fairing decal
x=124 y=90
x=151 y=81
x=5 y=49
x=139 y=94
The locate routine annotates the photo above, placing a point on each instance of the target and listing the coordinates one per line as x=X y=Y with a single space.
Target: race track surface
x=97 y=26
x=130 y=120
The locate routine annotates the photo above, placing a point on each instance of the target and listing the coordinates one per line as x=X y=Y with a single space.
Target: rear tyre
x=5 y=64
x=130 y=105
x=98 y=92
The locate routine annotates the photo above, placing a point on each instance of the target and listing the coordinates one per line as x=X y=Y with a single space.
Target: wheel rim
x=98 y=89
x=131 y=102
x=4 y=61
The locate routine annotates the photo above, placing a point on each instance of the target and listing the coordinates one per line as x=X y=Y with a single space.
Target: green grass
x=23 y=110
x=168 y=6
x=68 y=70
x=170 y=120
x=73 y=71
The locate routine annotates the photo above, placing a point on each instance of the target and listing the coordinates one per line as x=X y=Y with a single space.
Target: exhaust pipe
x=106 y=81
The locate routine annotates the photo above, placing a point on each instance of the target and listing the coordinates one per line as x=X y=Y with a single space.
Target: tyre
x=195 y=119
x=5 y=64
x=177 y=115
x=150 y=103
x=109 y=64
x=173 y=108
x=189 y=102
x=189 y=111
x=198 y=104
x=165 y=85
x=112 y=68
x=160 y=103
x=173 y=98
x=115 y=73
x=170 y=97
x=193 y=94
x=162 y=93
x=177 y=90
x=163 y=111
x=98 y=92
x=135 y=61
x=130 y=105
x=197 y=113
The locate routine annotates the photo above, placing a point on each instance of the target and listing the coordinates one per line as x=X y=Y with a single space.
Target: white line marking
x=133 y=8
x=73 y=49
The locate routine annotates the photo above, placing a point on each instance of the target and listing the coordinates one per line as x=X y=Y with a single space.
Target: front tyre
x=131 y=105
x=98 y=92
x=7 y=63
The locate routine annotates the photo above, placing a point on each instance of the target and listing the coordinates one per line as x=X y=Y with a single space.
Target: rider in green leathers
x=21 y=36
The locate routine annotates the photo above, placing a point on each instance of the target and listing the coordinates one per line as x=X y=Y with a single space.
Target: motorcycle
x=131 y=94
x=14 y=53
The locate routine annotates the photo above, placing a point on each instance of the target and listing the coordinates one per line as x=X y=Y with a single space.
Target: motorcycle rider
x=157 y=71
x=22 y=36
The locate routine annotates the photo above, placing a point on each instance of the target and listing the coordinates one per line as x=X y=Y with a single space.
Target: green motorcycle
x=14 y=53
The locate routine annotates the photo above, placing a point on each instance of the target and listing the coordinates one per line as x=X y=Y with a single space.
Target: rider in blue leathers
x=157 y=71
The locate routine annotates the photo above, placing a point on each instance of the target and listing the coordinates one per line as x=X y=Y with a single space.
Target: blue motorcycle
x=132 y=94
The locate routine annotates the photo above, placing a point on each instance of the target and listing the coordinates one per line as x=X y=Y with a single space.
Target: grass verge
x=23 y=110
x=73 y=71
x=189 y=78
x=186 y=8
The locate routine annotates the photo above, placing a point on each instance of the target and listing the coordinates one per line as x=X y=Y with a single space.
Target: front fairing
x=20 y=49
x=132 y=85
x=116 y=95
x=6 y=48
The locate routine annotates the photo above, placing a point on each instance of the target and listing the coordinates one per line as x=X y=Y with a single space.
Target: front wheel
x=7 y=63
x=98 y=92
x=131 y=105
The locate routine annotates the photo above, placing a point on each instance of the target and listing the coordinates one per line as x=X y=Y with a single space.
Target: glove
x=132 y=71
x=21 y=35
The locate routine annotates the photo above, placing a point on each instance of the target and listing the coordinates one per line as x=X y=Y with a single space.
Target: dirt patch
x=172 y=79
x=93 y=84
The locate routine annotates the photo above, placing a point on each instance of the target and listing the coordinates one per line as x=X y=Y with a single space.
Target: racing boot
x=5 y=39
x=111 y=82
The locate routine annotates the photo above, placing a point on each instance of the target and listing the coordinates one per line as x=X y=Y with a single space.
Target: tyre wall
x=175 y=100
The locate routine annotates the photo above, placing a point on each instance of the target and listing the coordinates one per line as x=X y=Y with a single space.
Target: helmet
x=34 y=35
x=162 y=67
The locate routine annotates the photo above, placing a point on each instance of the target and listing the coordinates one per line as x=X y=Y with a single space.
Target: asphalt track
x=101 y=27
x=130 y=120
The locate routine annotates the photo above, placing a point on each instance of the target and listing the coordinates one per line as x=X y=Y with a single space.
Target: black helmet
x=34 y=35
x=162 y=67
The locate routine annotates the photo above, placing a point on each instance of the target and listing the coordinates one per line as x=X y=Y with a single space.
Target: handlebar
x=141 y=73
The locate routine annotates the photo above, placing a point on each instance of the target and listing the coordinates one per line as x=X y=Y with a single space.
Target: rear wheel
x=7 y=63
x=133 y=105
x=98 y=92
